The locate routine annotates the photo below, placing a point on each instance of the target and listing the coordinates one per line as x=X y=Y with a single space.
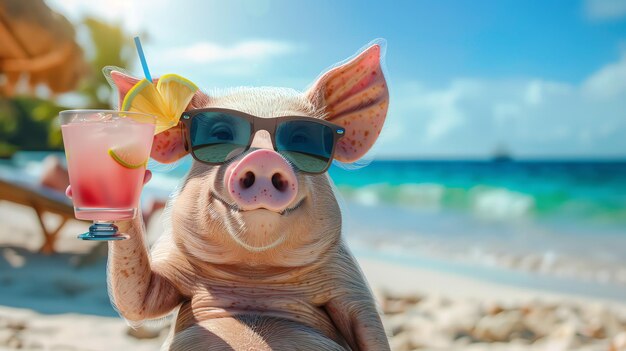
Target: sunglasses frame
x=258 y=123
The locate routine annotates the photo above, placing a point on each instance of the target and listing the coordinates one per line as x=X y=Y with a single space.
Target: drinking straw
x=142 y=58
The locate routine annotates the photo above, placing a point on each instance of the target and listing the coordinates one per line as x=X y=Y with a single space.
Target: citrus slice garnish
x=128 y=156
x=167 y=100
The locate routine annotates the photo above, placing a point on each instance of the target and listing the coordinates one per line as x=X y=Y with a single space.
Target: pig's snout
x=262 y=179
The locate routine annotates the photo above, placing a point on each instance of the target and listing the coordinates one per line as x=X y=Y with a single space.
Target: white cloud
x=531 y=117
x=441 y=106
x=605 y=9
x=246 y=59
x=608 y=82
x=245 y=51
x=503 y=112
x=534 y=93
x=131 y=15
x=170 y=47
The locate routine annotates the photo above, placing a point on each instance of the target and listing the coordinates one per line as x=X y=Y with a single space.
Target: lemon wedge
x=167 y=100
x=129 y=156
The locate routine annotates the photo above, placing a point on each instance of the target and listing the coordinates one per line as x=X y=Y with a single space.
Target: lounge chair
x=42 y=199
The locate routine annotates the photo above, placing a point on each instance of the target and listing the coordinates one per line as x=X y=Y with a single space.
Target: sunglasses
x=216 y=135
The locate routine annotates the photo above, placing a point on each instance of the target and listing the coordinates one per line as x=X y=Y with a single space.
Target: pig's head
x=258 y=208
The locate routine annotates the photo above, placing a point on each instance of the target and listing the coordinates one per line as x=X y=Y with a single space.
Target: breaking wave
x=483 y=201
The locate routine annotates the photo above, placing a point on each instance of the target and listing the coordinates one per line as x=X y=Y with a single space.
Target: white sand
x=410 y=280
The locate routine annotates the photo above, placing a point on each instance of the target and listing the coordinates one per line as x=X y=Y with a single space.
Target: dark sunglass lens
x=308 y=144
x=217 y=137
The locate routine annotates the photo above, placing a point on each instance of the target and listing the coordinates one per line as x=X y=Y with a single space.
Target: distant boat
x=501 y=154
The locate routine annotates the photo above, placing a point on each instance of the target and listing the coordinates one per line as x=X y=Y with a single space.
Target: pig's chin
x=261 y=230
x=258 y=229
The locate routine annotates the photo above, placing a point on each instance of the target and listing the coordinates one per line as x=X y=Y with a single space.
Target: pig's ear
x=169 y=145
x=354 y=95
x=120 y=81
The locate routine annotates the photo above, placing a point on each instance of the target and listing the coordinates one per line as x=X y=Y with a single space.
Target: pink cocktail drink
x=107 y=152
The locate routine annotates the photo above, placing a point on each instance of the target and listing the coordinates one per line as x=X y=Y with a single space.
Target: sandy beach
x=60 y=302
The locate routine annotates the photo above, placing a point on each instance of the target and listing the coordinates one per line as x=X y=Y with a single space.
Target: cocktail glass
x=106 y=152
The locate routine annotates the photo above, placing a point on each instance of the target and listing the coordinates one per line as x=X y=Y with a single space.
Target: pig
x=270 y=275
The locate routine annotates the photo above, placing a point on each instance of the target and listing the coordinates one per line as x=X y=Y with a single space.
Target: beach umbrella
x=37 y=46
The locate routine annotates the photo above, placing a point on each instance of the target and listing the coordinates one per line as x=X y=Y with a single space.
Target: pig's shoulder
x=171 y=264
x=338 y=264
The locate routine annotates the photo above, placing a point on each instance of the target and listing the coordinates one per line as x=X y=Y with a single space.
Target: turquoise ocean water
x=590 y=192
x=515 y=221
x=593 y=192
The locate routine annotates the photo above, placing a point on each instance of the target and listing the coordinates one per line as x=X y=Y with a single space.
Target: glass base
x=100 y=231
x=104 y=214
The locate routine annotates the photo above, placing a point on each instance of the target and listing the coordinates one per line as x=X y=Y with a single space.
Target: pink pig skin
x=265 y=276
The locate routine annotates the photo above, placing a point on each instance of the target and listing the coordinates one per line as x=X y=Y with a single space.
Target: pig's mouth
x=236 y=208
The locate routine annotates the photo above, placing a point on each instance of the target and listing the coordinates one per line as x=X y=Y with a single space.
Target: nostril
x=247 y=180
x=279 y=182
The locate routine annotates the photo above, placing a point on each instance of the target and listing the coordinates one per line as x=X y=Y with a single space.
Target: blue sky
x=542 y=78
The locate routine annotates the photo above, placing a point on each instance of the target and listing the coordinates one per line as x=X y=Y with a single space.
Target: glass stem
x=102 y=230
